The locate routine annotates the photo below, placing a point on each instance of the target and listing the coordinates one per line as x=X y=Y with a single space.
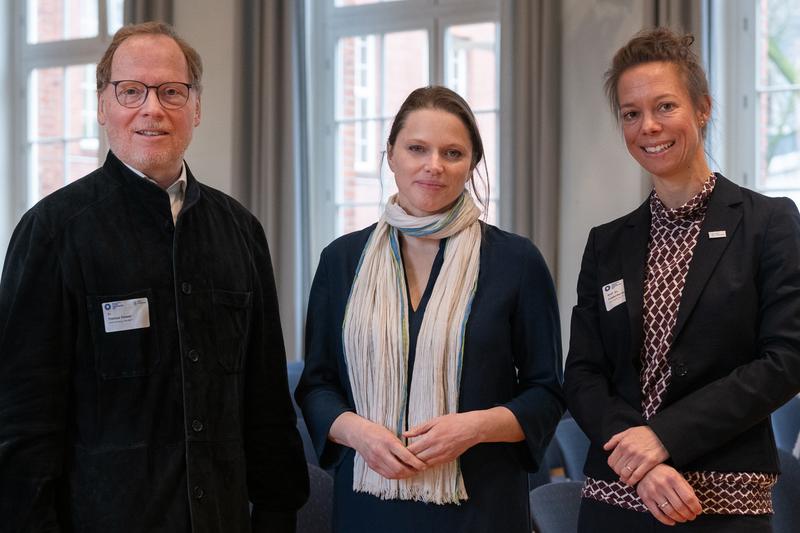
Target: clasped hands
x=437 y=441
x=637 y=457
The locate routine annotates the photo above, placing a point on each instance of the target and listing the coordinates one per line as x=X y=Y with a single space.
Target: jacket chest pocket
x=124 y=334
x=231 y=326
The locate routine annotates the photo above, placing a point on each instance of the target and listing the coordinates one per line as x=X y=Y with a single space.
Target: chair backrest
x=308 y=446
x=552 y=460
x=786 y=424
x=555 y=507
x=539 y=478
x=786 y=495
x=574 y=445
x=316 y=515
x=294 y=370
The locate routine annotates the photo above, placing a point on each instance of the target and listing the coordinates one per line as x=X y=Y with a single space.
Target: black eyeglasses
x=133 y=94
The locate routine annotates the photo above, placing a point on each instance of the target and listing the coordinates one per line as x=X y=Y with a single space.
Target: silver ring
x=662 y=505
x=628 y=468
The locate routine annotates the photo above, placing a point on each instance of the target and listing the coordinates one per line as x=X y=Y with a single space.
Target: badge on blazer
x=614 y=294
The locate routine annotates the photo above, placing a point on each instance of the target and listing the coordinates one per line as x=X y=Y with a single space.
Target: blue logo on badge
x=107 y=307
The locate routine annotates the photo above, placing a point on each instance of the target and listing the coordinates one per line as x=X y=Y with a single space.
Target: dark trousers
x=599 y=517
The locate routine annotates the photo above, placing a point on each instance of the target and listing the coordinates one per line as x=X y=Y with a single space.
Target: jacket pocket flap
x=231 y=298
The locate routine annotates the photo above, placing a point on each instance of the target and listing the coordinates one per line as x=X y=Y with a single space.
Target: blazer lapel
x=723 y=215
x=634 y=258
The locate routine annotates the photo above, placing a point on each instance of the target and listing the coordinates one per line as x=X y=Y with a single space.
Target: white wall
x=599 y=180
x=209 y=26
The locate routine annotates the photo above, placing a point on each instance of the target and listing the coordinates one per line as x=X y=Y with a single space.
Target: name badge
x=124 y=315
x=614 y=294
x=721 y=234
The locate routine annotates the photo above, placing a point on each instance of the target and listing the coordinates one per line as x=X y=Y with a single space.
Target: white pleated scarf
x=375 y=341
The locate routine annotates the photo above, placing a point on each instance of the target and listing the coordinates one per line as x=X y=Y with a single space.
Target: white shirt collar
x=178 y=183
x=175 y=191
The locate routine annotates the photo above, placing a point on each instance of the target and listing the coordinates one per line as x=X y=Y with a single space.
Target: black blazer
x=735 y=356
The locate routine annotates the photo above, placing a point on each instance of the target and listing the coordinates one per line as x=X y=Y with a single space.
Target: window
x=777 y=97
x=367 y=56
x=757 y=74
x=59 y=42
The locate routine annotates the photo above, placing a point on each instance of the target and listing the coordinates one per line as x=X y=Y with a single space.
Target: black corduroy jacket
x=172 y=427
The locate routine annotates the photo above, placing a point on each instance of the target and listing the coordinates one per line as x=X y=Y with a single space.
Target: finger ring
x=662 y=505
x=628 y=468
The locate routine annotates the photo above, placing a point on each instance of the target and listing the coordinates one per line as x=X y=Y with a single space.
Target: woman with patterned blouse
x=686 y=335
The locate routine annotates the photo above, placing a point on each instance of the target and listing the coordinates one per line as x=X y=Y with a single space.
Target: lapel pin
x=721 y=234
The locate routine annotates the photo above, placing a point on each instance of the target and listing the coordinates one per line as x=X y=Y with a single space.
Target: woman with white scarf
x=433 y=357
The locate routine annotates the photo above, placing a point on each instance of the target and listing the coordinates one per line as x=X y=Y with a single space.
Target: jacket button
x=193 y=356
x=198 y=493
x=197 y=426
x=186 y=287
x=681 y=369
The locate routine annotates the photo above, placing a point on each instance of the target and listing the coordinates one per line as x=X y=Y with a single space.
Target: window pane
x=46 y=166
x=62 y=127
x=779 y=140
x=63 y=102
x=779 y=43
x=350 y=218
x=54 y=164
x=57 y=20
x=374 y=75
x=471 y=63
x=358 y=162
x=46 y=98
x=406 y=60
x=778 y=76
x=81 y=159
x=114 y=12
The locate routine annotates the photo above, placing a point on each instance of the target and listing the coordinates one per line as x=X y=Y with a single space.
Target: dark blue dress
x=512 y=357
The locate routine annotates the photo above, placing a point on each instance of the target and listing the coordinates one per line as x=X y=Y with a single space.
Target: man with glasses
x=142 y=370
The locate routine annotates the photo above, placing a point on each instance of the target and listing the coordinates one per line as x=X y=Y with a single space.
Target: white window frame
x=326 y=24
x=29 y=57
